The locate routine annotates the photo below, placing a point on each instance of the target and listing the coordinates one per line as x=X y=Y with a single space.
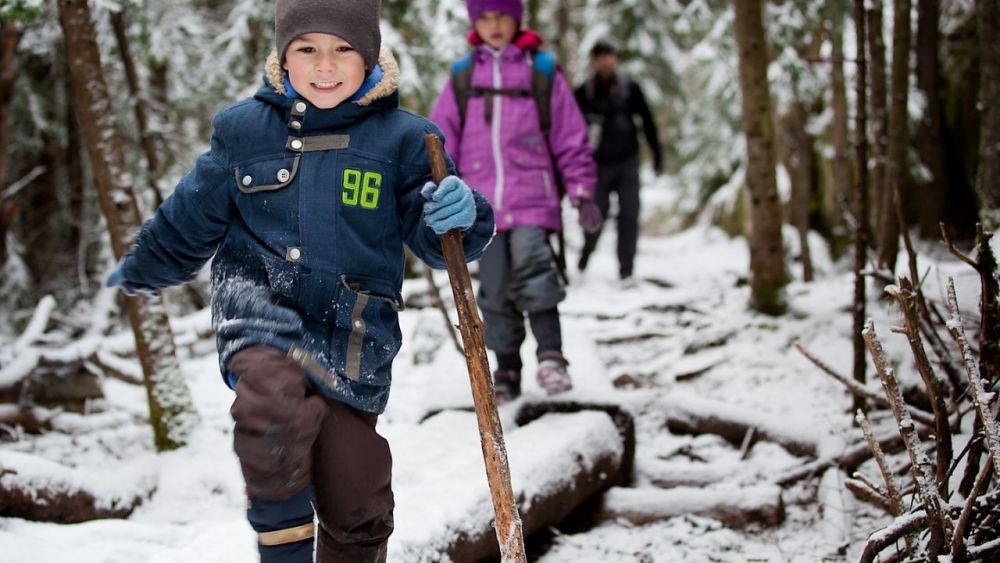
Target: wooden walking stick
x=508 y=521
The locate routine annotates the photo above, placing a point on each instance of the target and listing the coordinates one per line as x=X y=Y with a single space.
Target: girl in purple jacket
x=501 y=149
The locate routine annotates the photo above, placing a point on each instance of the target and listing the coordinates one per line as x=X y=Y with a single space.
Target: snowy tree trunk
x=171 y=410
x=931 y=204
x=879 y=104
x=898 y=136
x=767 y=252
x=988 y=178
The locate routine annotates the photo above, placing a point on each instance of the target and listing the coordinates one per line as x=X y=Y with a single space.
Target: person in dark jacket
x=610 y=100
x=306 y=198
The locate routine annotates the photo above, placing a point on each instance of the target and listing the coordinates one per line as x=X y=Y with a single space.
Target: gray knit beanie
x=354 y=21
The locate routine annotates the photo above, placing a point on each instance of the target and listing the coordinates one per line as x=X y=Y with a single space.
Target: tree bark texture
x=898 y=136
x=879 y=104
x=172 y=413
x=988 y=177
x=10 y=36
x=860 y=200
x=842 y=176
x=800 y=164
x=138 y=102
x=767 y=252
x=930 y=204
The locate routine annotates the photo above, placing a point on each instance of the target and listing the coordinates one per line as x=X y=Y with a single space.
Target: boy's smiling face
x=324 y=69
x=497 y=29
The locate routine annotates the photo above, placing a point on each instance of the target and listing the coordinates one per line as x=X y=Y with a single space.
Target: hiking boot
x=552 y=375
x=506 y=386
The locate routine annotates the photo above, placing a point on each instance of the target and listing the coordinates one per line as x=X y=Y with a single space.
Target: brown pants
x=288 y=436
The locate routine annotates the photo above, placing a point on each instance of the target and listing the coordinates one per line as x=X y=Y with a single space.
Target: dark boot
x=506 y=385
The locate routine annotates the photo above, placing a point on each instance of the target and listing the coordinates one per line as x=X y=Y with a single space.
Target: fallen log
x=670 y=474
x=38 y=489
x=622 y=419
x=690 y=414
x=735 y=508
x=557 y=463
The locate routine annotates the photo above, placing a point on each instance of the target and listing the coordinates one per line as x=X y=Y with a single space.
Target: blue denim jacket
x=306 y=212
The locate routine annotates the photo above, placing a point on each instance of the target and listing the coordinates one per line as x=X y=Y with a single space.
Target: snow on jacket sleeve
x=186 y=230
x=446 y=116
x=568 y=140
x=421 y=239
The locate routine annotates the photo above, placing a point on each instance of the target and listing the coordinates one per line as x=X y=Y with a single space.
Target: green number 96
x=361 y=188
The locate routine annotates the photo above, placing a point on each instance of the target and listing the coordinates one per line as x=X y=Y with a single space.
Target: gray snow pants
x=518 y=277
x=622 y=178
x=301 y=452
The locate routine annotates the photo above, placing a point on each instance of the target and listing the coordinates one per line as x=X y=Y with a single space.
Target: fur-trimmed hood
x=385 y=87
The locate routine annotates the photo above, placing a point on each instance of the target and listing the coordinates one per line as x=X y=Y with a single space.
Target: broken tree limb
x=432 y=289
x=918 y=454
x=860 y=390
x=736 y=508
x=690 y=414
x=37 y=489
x=849 y=461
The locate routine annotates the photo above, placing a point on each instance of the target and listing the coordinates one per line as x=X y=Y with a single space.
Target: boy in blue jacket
x=306 y=197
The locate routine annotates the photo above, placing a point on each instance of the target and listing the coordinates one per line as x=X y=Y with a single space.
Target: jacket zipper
x=548 y=183
x=495 y=133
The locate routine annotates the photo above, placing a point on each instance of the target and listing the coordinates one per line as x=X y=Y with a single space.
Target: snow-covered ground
x=682 y=332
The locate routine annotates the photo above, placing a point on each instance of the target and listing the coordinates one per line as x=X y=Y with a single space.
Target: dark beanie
x=602 y=48
x=512 y=8
x=354 y=21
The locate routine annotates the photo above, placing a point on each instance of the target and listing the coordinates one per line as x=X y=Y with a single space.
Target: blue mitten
x=450 y=205
x=117 y=278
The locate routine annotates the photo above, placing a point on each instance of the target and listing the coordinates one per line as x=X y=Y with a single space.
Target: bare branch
x=979 y=395
x=865 y=492
x=859 y=390
x=962 y=525
x=900 y=528
x=910 y=304
x=918 y=454
x=892 y=489
x=954 y=251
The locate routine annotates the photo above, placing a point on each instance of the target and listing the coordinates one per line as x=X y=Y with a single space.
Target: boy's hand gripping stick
x=508 y=521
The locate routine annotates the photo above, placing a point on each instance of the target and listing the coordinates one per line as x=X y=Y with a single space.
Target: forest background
x=773 y=114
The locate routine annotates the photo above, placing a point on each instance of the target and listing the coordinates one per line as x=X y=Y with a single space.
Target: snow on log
x=622 y=419
x=670 y=474
x=691 y=414
x=557 y=462
x=38 y=489
x=735 y=508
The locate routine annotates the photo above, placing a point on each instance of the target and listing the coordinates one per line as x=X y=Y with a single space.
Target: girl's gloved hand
x=590 y=216
x=117 y=278
x=450 y=205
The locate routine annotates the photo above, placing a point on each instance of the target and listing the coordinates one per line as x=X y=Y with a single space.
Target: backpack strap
x=543 y=73
x=461 y=84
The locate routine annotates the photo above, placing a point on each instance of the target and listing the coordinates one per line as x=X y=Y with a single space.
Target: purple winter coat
x=508 y=160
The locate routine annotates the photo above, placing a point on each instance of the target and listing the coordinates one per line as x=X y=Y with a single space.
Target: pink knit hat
x=513 y=8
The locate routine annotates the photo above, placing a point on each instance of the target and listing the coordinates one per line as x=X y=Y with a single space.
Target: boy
x=305 y=198
x=501 y=147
